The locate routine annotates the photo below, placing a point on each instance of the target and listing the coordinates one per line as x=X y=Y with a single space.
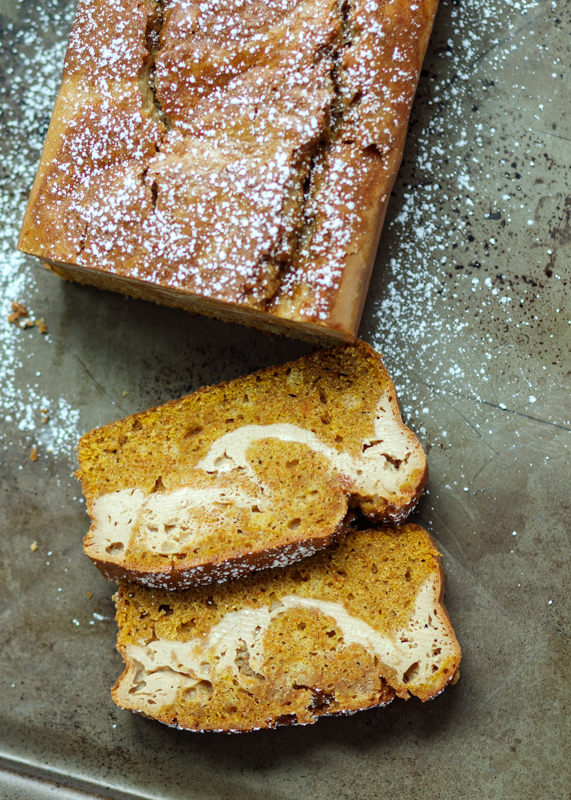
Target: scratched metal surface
x=470 y=305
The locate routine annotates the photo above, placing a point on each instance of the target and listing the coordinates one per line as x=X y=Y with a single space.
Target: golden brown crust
x=305 y=654
x=174 y=503
x=190 y=109
x=182 y=576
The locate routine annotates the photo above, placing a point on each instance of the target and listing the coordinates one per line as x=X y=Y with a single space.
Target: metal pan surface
x=470 y=306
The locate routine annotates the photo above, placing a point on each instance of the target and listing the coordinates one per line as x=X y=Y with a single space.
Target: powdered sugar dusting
x=33 y=415
x=460 y=294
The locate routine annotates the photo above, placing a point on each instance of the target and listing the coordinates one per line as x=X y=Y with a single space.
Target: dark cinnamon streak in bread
x=230 y=158
x=345 y=630
x=256 y=473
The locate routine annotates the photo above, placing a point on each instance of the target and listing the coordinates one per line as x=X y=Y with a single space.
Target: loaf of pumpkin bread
x=256 y=473
x=234 y=159
x=347 y=629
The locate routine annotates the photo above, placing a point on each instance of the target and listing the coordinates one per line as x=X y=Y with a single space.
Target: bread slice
x=233 y=159
x=255 y=473
x=345 y=630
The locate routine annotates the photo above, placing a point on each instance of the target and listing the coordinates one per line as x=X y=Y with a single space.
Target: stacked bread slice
x=254 y=473
x=346 y=629
x=247 y=599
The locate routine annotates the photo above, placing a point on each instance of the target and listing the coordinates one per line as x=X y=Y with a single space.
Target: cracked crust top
x=233 y=156
x=255 y=473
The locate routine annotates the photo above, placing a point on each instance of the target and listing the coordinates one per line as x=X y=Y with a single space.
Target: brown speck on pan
x=34 y=453
x=18 y=311
x=34 y=547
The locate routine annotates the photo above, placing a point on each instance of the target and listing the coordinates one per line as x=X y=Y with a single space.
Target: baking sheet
x=470 y=306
